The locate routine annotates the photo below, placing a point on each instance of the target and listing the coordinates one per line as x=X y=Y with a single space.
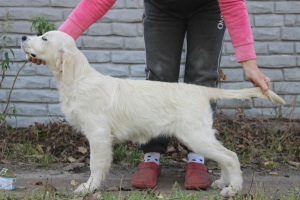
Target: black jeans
x=166 y=23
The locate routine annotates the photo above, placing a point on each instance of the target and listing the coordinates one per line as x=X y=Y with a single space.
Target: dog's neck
x=81 y=68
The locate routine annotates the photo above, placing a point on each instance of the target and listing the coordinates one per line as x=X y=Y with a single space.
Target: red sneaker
x=196 y=176
x=146 y=175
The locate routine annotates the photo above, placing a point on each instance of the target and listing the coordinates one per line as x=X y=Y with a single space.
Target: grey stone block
x=287 y=7
x=29 y=109
x=137 y=70
x=269 y=20
x=292 y=75
x=292 y=100
x=27 y=13
x=262 y=103
x=255 y=7
x=12 y=121
x=28 y=69
x=27 y=82
x=290 y=20
x=103 y=42
x=287 y=87
x=291 y=113
x=140 y=29
x=97 y=56
x=290 y=33
x=3 y=96
x=132 y=4
x=297 y=23
x=41 y=96
x=234 y=75
x=100 y=29
x=112 y=70
x=128 y=57
x=19 y=55
x=55 y=110
x=119 y=4
x=21 y=27
x=66 y=13
x=31 y=3
x=235 y=103
x=261 y=112
x=235 y=86
x=266 y=34
x=11 y=40
x=261 y=47
x=23 y=122
x=141 y=3
x=64 y=3
x=123 y=29
x=135 y=43
x=229 y=61
x=123 y=16
x=43 y=70
x=277 y=61
x=229 y=48
x=53 y=83
x=273 y=74
x=281 y=48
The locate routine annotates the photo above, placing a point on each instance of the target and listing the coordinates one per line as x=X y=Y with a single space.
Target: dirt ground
x=287 y=177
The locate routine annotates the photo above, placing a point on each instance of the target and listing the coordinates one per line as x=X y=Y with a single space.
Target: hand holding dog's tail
x=244 y=94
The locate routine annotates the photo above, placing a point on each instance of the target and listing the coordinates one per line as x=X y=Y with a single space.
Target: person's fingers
x=38 y=62
x=30 y=59
x=43 y=62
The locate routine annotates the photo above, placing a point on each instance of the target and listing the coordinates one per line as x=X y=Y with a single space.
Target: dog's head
x=56 y=49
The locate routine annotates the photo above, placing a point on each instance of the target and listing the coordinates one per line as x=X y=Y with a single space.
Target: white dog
x=110 y=110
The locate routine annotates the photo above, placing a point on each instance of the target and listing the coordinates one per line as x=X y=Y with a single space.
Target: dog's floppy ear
x=65 y=62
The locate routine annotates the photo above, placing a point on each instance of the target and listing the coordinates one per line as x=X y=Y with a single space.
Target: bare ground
x=287 y=178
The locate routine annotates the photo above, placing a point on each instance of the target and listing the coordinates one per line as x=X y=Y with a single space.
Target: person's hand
x=255 y=76
x=36 y=61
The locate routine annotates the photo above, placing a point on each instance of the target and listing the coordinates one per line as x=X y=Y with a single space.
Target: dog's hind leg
x=208 y=146
x=100 y=161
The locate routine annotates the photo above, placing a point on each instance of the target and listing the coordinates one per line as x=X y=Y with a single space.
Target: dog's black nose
x=24 y=37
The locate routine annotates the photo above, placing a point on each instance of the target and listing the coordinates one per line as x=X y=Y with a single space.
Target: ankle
x=193 y=157
x=152 y=157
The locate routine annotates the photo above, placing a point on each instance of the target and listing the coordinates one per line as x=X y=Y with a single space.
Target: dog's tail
x=220 y=94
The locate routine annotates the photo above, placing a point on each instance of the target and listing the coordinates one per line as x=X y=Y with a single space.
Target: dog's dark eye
x=43 y=38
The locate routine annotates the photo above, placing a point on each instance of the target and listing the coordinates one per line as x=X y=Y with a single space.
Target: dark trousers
x=166 y=23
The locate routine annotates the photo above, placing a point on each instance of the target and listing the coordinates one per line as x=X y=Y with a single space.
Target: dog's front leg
x=100 y=161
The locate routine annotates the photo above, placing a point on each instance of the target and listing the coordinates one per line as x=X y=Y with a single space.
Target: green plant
x=41 y=25
x=5 y=63
x=123 y=153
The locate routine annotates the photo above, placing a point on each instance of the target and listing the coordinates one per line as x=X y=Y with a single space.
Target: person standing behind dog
x=166 y=23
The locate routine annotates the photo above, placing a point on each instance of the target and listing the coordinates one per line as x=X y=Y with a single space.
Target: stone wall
x=114 y=46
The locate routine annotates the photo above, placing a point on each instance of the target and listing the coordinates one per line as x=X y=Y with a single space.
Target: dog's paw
x=219 y=184
x=230 y=191
x=85 y=188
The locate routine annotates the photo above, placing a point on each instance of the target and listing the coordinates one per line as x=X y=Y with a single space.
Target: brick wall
x=114 y=46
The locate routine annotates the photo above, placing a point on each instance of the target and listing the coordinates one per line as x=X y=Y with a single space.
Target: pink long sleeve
x=234 y=13
x=236 y=19
x=84 y=15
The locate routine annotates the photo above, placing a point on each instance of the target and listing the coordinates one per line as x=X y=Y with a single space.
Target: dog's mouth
x=33 y=55
x=24 y=47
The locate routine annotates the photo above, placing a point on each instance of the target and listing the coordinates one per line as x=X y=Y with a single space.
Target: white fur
x=109 y=110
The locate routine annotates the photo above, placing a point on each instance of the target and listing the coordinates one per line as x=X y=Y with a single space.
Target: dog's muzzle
x=24 y=38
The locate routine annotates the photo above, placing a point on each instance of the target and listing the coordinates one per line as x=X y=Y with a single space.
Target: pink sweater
x=234 y=13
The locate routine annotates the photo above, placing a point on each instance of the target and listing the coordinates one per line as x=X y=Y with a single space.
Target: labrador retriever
x=109 y=110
